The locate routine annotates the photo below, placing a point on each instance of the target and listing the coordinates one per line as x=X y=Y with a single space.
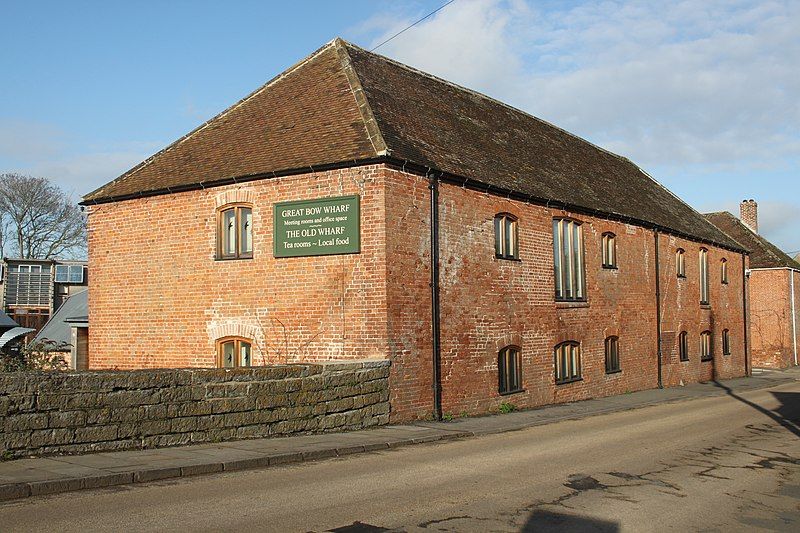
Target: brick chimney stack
x=748 y=213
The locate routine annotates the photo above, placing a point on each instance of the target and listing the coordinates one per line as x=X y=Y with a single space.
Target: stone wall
x=63 y=413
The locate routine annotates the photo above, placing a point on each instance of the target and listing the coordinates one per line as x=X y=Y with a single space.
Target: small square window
x=62 y=274
x=76 y=273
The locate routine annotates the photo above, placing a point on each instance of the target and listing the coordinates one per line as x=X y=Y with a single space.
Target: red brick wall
x=771 y=317
x=489 y=303
x=681 y=311
x=409 y=293
x=158 y=298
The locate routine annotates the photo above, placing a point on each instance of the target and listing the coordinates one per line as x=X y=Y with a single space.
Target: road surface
x=716 y=464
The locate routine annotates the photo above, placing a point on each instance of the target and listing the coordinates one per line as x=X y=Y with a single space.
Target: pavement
x=49 y=475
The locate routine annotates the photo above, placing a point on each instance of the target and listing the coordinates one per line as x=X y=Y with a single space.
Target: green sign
x=325 y=226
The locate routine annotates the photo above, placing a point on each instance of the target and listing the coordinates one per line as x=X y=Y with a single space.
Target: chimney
x=748 y=213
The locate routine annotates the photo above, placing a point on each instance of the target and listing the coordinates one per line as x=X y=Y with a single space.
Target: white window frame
x=609 y=241
x=680 y=262
x=568 y=262
x=567 y=362
x=705 y=298
x=506 y=236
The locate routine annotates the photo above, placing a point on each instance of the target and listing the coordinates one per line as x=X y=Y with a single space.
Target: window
x=612 y=355
x=705 y=346
x=234 y=352
x=723 y=269
x=609 y=250
x=235 y=233
x=26 y=269
x=726 y=342
x=703 y=276
x=683 y=346
x=680 y=262
x=568 y=260
x=509 y=368
x=506 y=236
x=69 y=274
x=568 y=362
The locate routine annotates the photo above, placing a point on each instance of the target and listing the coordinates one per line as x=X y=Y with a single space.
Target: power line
x=412 y=25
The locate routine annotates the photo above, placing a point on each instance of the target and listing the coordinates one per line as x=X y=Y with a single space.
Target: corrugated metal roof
x=12 y=334
x=6 y=321
x=58 y=328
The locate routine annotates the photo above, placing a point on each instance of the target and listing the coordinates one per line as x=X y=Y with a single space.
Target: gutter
x=435 y=308
x=745 y=308
x=794 y=317
x=658 y=309
x=422 y=170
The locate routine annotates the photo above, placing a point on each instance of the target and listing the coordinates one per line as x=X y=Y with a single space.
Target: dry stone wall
x=64 y=413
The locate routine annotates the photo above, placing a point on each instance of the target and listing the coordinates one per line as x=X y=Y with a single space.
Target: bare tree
x=38 y=220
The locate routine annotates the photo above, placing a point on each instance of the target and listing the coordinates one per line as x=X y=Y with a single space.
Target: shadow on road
x=544 y=521
x=787 y=415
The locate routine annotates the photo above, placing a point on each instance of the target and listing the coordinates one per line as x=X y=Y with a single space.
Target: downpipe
x=658 y=309
x=794 y=318
x=435 y=308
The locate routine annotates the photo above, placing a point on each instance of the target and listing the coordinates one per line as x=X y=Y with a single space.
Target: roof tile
x=344 y=104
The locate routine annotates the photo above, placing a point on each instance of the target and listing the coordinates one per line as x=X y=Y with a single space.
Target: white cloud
x=665 y=84
x=707 y=93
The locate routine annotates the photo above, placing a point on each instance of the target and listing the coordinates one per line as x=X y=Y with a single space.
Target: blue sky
x=705 y=96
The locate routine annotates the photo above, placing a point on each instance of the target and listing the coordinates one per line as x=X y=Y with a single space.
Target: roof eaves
x=473 y=184
x=200 y=185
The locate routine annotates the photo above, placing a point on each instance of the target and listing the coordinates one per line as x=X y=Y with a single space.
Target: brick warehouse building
x=774 y=289
x=354 y=207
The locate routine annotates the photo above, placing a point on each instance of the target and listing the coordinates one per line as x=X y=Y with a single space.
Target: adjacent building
x=354 y=207
x=68 y=330
x=11 y=334
x=33 y=289
x=774 y=290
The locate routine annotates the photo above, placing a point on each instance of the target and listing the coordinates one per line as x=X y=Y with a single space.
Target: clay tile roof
x=345 y=105
x=763 y=254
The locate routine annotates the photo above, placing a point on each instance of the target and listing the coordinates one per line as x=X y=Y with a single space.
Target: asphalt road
x=715 y=464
